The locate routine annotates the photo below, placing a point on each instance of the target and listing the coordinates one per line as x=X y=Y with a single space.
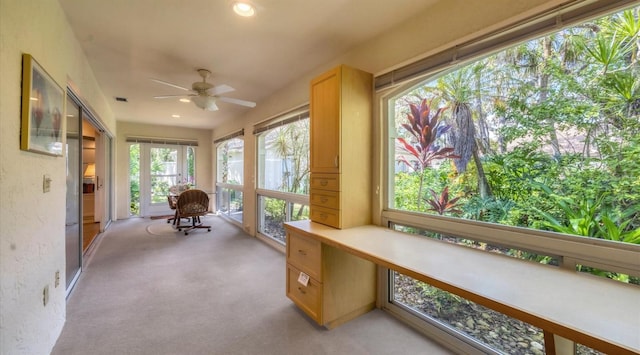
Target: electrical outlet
x=45 y=295
x=46 y=183
x=57 y=277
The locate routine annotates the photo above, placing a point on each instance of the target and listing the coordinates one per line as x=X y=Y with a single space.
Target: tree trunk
x=463 y=136
x=483 y=185
x=543 y=82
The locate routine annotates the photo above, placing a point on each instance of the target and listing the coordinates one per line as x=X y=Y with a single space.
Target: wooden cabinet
x=340 y=117
x=340 y=286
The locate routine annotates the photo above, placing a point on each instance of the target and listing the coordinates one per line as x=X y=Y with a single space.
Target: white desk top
x=590 y=310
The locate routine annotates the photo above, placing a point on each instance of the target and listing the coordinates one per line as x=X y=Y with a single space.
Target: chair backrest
x=193 y=202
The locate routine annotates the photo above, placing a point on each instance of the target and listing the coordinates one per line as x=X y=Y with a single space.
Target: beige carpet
x=149 y=289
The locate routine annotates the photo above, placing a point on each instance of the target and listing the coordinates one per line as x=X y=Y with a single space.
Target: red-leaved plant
x=442 y=203
x=425 y=128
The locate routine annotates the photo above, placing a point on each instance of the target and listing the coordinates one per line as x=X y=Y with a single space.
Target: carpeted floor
x=149 y=289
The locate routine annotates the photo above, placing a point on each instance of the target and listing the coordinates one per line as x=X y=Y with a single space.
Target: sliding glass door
x=73 y=236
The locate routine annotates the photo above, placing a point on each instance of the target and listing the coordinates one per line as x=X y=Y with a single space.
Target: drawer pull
x=323 y=216
x=324 y=200
x=302 y=290
x=302 y=252
x=323 y=182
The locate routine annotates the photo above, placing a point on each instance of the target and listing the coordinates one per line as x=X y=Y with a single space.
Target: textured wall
x=32 y=223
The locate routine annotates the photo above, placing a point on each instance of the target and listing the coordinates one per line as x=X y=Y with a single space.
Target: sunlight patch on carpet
x=161 y=228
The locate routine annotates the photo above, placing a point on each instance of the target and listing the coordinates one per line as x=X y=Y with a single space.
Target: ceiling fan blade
x=220 y=89
x=170 y=96
x=170 y=84
x=237 y=101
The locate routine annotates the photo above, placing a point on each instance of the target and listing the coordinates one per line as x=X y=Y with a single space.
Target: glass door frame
x=74 y=178
x=147 y=206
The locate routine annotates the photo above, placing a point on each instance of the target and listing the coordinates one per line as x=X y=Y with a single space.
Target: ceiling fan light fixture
x=205 y=102
x=244 y=9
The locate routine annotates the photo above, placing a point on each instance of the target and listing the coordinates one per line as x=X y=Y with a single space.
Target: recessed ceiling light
x=244 y=9
x=175 y=116
x=185 y=100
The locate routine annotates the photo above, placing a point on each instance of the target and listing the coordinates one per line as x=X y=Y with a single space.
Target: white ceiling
x=128 y=42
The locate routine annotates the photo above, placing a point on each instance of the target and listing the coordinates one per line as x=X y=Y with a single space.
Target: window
x=541 y=136
x=283 y=173
x=230 y=177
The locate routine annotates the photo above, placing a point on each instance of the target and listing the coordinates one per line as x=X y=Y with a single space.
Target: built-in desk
x=599 y=313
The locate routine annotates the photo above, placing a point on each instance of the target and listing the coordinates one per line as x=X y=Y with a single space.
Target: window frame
x=219 y=186
x=262 y=128
x=570 y=250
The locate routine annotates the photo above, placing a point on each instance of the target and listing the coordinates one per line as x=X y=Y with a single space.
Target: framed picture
x=43 y=117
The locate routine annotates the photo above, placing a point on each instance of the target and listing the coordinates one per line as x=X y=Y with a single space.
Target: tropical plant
x=134 y=179
x=456 y=88
x=441 y=204
x=425 y=128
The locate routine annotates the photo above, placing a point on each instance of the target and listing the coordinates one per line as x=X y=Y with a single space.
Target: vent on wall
x=121 y=99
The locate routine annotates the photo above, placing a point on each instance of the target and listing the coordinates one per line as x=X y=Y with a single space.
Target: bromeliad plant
x=425 y=128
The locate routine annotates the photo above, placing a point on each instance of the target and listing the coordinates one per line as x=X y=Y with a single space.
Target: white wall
x=441 y=26
x=32 y=223
x=204 y=156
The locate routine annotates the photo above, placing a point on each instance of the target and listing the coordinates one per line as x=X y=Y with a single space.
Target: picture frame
x=43 y=110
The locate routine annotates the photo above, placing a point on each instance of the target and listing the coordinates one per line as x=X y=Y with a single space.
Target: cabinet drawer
x=305 y=297
x=326 y=216
x=325 y=181
x=323 y=198
x=304 y=253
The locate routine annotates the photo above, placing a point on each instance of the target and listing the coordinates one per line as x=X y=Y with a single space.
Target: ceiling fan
x=205 y=94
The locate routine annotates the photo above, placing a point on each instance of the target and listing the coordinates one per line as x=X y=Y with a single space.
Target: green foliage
x=591 y=218
x=134 y=179
x=444 y=302
x=557 y=123
x=275 y=209
x=490 y=209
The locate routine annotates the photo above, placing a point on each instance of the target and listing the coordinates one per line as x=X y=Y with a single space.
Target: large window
x=543 y=135
x=283 y=174
x=230 y=178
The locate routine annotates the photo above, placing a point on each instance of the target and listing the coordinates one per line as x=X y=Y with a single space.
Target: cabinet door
x=325 y=122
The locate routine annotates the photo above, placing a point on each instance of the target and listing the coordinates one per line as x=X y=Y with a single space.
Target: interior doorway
x=91 y=215
x=88 y=171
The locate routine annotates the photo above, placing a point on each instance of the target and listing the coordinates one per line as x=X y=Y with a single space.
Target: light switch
x=46 y=183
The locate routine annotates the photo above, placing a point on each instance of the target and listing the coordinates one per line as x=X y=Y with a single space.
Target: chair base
x=193 y=225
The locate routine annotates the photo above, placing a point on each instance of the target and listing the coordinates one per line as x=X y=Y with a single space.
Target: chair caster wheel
x=185 y=233
x=209 y=230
